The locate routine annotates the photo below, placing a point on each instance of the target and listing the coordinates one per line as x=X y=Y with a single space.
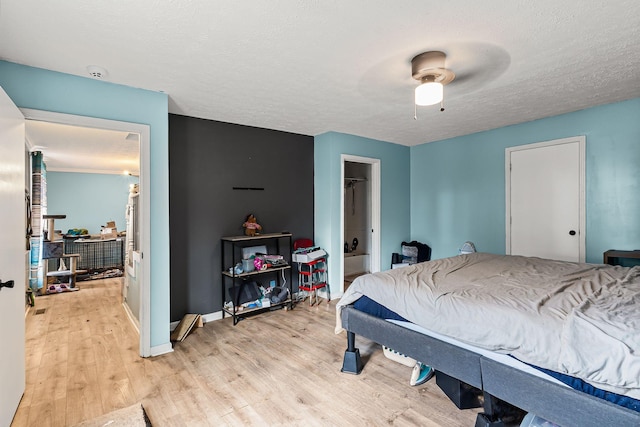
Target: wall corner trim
x=161 y=349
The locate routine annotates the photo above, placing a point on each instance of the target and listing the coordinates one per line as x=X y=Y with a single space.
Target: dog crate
x=97 y=255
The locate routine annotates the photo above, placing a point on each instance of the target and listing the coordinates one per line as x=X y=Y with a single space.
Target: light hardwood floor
x=277 y=368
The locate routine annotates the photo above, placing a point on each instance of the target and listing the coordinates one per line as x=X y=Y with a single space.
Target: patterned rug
x=132 y=416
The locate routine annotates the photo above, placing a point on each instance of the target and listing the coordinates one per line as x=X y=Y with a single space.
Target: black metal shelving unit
x=231 y=255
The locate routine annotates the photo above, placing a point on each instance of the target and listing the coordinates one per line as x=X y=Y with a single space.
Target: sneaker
x=420 y=374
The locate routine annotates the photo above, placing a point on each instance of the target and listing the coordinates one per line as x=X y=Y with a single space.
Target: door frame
x=375 y=210
x=581 y=141
x=145 y=196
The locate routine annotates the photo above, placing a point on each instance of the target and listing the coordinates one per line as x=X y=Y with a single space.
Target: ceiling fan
x=428 y=68
x=475 y=64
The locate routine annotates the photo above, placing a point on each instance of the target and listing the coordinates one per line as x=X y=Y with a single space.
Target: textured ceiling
x=81 y=149
x=315 y=66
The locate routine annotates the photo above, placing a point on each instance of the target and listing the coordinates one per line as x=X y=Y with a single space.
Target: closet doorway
x=360 y=214
x=138 y=302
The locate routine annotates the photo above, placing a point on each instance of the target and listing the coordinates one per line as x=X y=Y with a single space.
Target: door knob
x=572 y=232
x=8 y=284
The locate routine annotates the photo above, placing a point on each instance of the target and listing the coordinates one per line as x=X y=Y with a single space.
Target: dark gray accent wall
x=206 y=160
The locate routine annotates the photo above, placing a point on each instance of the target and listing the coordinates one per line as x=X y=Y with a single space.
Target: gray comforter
x=578 y=319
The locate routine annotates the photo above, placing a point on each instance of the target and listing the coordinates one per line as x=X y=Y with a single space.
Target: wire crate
x=97 y=255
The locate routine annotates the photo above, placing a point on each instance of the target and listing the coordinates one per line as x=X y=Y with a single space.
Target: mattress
x=572 y=318
x=369 y=306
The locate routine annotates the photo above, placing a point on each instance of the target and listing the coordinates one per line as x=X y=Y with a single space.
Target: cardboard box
x=112 y=233
x=109 y=231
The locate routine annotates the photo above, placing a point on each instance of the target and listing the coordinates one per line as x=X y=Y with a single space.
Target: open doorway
x=357 y=220
x=360 y=214
x=137 y=298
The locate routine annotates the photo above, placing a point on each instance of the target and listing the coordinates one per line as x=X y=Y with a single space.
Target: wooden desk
x=612 y=256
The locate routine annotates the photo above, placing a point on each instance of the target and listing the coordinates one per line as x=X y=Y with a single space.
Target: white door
x=545 y=193
x=12 y=258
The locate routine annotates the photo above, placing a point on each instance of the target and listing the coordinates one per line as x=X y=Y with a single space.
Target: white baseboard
x=161 y=349
x=334 y=295
x=206 y=318
x=132 y=318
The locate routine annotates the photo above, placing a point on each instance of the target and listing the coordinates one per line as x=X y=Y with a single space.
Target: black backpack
x=412 y=252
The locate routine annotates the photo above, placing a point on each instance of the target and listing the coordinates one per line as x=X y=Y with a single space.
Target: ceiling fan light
x=429 y=93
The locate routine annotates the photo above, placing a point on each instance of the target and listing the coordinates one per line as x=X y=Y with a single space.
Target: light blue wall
x=328 y=188
x=458 y=185
x=88 y=200
x=63 y=93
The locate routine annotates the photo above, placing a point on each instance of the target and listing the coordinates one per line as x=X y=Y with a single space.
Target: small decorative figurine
x=251 y=226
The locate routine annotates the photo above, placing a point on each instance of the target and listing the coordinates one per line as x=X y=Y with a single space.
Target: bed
x=577 y=320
